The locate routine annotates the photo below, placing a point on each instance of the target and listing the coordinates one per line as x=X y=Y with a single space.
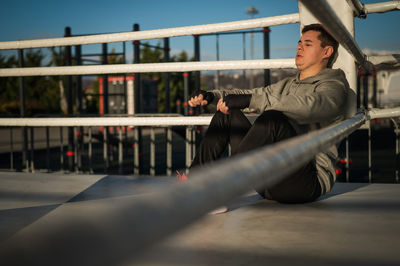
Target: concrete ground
x=355 y=224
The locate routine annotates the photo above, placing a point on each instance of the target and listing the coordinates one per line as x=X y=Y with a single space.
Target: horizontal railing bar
x=149 y=67
x=118 y=230
x=144 y=120
x=154 y=34
x=233 y=32
x=384 y=113
x=382 y=7
x=393 y=59
x=106 y=121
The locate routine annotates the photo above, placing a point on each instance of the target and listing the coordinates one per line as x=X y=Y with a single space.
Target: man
x=314 y=98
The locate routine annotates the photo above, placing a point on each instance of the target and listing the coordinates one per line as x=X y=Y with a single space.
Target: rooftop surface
x=355 y=224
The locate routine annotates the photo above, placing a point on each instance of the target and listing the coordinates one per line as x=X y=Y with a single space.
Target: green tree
x=41 y=92
x=9 y=96
x=90 y=98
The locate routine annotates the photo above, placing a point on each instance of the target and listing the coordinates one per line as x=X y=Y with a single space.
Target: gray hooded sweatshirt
x=310 y=104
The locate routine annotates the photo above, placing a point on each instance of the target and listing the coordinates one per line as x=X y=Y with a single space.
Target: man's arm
x=217 y=97
x=327 y=102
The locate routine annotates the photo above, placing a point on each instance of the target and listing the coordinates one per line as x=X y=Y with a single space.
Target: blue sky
x=27 y=19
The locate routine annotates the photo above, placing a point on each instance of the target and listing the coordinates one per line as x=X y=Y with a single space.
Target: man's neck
x=306 y=73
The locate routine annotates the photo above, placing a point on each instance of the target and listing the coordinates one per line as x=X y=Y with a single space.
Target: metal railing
x=169 y=144
x=121 y=138
x=149 y=218
x=154 y=34
x=134 y=223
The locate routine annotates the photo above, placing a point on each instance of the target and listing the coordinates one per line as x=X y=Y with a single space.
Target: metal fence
x=141 y=222
x=115 y=138
x=166 y=144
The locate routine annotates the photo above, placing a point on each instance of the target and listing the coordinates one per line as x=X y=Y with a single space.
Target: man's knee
x=226 y=119
x=219 y=119
x=272 y=116
x=275 y=126
x=272 y=119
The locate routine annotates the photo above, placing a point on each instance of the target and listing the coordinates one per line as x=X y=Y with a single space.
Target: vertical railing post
x=105 y=149
x=347 y=160
x=188 y=146
x=193 y=149
x=25 y=162
x=32 y=158
x=217 y=85
x=167 y=77
x=266 y=32
x=105 y=79
x=169 y=151
x=68 y=62
x=137 y=100
x=374 y=90
x=78 y=94
x=185 y=93
x=136 y=167
x=125 y=83
x=136 y=60
x=90 y=150
x=369 y=153
x=358 y=86
x=120 y=151
x=105 y=109
x=78 y=102
x=397 y=131
x=152 y=152
x=197 y=78
x=48 y=149
x=76 y=145
x=61 y=148
x=245 y=85
x=197 y=58
x=12 y=149
x=365 y=90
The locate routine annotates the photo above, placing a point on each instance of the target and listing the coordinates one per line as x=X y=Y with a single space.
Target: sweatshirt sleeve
x=325 y=102
x=261 y=94
x=222 y=93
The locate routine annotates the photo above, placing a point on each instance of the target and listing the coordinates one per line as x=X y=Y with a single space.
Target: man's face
x=310 y=54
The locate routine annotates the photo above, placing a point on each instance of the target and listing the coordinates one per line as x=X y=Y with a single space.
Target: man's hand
x=197 y=100
x=221 y=106
x=233 y=101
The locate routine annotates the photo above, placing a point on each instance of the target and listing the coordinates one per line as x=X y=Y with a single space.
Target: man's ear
x=328 y=51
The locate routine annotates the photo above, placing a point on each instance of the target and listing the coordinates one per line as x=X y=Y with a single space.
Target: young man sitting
x=314 y=98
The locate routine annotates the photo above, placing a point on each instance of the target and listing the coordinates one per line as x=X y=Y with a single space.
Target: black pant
x=270 y=127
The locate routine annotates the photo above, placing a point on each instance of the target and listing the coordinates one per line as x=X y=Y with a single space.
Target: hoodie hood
x=326 y=74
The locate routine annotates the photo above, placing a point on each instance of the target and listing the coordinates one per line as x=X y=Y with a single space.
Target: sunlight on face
x=310 y=54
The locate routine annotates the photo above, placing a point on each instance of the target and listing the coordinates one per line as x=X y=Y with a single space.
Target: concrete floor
x=355 y=224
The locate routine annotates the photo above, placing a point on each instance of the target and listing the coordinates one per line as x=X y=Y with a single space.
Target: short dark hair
x=326 y=40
